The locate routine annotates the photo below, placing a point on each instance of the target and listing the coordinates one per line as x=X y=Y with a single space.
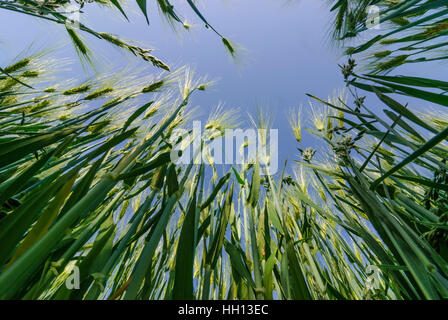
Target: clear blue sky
x=287 y=52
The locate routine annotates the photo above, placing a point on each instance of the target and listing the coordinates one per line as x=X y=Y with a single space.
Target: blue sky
x=287 y=52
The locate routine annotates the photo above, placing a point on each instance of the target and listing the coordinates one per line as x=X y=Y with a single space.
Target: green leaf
x=255 y=186
x=236 y=259
x=215 y=191
x=415 y=155
x=142 y=5
x=238 y=177
x=118 y=6
x=183 y=272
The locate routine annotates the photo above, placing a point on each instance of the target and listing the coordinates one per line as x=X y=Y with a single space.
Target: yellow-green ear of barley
x=17 y=66
x=8 y=100
x=341 y=116
x=30 y=74
x=72 y=104
x=297 y=133
x=110 y=38
x=401 y=21
x=388 y=41
x=8 y=84
x=79 y=45
x=392 y=63
x=98 y=94
x=40 y=106
x=108 y=103
x=80 y=89
x=153 y=87
x=382 y=54
x=350 y=50
x=150 y=112
x=228 y=46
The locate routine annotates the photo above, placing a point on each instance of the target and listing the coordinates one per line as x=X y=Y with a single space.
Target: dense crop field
x=88 y=187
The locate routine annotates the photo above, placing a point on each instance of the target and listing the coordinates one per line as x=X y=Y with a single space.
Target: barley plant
x=87 y=180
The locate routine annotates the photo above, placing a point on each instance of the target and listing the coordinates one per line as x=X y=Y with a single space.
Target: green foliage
x=86 y=181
